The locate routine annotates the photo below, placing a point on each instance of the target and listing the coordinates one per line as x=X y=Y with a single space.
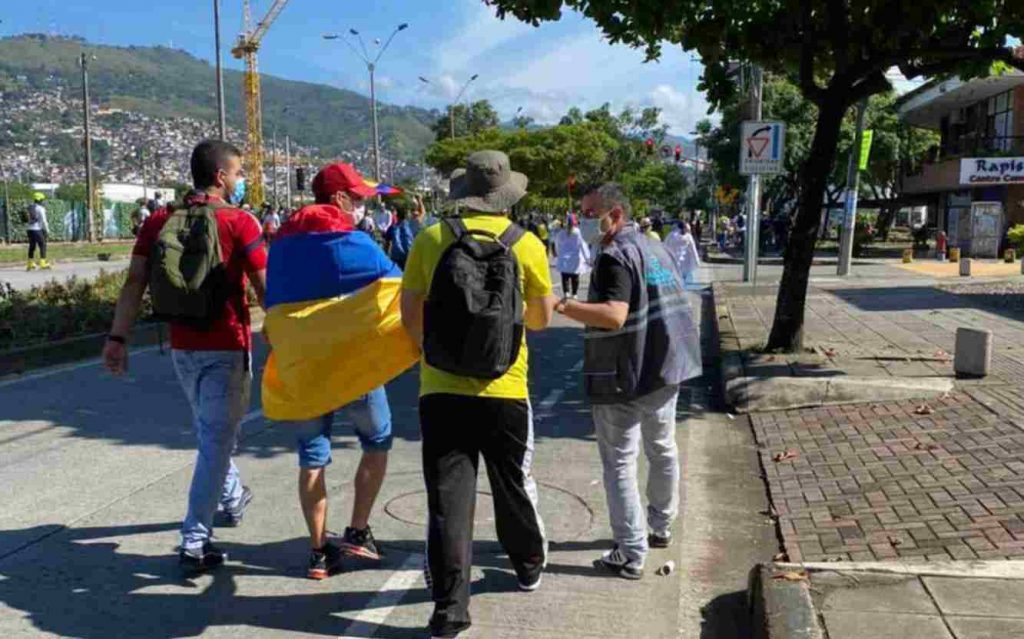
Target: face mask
x=358 y=214
x=238 y=194
x=591 y=230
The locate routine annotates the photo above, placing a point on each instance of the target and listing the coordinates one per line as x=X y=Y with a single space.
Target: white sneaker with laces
x=617 y=562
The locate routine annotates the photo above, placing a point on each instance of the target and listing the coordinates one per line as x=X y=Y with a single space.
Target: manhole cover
x=566 y=515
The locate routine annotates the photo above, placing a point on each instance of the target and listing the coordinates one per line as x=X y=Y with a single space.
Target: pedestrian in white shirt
x=683 y=249
x=573 y=257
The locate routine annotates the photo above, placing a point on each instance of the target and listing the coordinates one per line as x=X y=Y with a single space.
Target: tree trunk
x=787 y=329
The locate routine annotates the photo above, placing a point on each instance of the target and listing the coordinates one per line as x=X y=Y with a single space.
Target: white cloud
x=680 y=111
x=480 y=32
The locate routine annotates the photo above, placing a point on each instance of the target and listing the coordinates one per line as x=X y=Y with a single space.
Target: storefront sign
x=982 y=171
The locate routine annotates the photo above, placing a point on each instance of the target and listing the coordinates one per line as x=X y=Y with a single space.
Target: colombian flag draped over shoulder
x=333 y=317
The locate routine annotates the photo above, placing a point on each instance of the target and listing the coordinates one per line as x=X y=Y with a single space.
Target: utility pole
x=852 y=185
x=288 y=171
x=89 y=186
x=754 y=190
x=376 y=132
x=7 y=210
x=221 y=117
x=273 y=168
x=451 y=119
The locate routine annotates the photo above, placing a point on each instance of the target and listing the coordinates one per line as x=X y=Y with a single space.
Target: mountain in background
x=168 y=83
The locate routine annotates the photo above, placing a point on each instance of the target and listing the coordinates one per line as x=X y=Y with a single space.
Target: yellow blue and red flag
x=333 y=317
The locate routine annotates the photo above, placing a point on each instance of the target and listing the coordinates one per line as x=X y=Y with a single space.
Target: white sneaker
x=615 y=561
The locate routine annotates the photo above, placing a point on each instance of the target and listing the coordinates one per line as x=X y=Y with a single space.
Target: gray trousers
x=620 y=429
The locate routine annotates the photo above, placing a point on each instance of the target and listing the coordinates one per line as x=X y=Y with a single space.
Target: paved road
x=21 y=279
x=94 y=472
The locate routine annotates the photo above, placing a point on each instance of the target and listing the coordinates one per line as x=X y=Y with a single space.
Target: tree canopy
x=836 y=51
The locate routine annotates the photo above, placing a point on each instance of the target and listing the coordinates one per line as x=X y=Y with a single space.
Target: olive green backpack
x=187 y=277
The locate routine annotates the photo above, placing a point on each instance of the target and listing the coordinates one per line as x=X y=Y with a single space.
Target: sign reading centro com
x=762 y=148
x=987 y=171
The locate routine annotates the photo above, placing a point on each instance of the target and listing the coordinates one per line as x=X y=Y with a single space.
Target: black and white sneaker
x=324 y=562
x=615 y=561
x=530 y=573
x=199 y=560
x=360 y=543
x=656 y=540
x=232 y=517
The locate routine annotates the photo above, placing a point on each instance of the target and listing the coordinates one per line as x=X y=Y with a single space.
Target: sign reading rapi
x=762 y=148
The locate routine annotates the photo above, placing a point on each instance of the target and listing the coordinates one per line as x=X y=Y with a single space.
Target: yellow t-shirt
x=534 y=281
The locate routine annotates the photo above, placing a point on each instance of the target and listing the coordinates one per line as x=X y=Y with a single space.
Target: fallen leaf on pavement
x=920 y=446
x=924 y=409
x=793 y=575
x=788 y=454
x=830 y=352
x=895 y=541
x=779 y=556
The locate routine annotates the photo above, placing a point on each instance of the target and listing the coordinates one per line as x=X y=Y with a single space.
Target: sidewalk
x=927 y=481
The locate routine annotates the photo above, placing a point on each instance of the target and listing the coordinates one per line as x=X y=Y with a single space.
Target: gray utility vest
x=659 y=345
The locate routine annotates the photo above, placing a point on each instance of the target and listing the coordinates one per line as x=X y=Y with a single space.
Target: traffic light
x=679 y=154
x=300 y=178
x=650 y=146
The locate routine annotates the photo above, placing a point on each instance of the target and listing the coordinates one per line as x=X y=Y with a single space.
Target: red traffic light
x=679 y=153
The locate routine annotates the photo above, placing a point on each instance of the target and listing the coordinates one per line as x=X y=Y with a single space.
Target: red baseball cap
x=340 y=177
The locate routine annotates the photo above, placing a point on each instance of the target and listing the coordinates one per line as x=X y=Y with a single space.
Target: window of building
x=1000 y=122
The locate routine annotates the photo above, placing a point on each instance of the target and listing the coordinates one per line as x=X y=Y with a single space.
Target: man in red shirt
x=213 y=363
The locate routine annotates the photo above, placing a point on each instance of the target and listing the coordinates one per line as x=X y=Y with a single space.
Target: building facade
x=973 y=181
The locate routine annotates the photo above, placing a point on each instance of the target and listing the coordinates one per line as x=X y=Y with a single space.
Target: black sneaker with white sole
x=441 y=626
x=199 y=560
x=656 y=540
x=529 y=574
x=232 y=517
x=616 y=561
x=360 y=543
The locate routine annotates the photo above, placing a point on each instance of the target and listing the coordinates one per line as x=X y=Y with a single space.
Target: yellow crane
x=246 y=49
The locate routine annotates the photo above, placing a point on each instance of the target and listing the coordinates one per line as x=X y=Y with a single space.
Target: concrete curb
x=745 y=393
x=757 y=394
x=781 y=608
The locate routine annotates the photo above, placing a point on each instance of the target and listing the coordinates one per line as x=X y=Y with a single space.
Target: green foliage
x=596 y=146
x=163 y=82
x=56 y=311
x=1016 y=237
x=479 y=117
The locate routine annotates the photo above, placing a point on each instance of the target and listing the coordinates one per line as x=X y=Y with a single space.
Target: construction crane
x=246 y=49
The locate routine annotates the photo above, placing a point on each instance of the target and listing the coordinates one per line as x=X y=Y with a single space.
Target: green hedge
x=59 y=310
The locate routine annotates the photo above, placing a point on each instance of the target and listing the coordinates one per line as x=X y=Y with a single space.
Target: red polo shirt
x=242 y=248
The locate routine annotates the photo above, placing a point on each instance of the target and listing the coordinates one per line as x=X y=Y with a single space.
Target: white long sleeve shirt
x=573 y=252
x=37 y=219
x=682 y=247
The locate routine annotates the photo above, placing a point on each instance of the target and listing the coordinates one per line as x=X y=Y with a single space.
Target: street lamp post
x=221 y=119
x=371 y=67
x=89 y=186
x=451 y=111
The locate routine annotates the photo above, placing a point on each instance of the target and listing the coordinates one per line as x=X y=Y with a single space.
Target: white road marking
x=379 y=608
x=577 y=367
x=56 y=370
x=548 y=402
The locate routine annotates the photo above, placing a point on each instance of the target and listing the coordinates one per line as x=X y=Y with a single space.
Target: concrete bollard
x=1010 y=256
x=973 y=352
x=908 y=256
x=954 y=254
x=965 y=267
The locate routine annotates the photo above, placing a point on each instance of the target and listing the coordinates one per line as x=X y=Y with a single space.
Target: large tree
x=836 y=51
x=468 y=119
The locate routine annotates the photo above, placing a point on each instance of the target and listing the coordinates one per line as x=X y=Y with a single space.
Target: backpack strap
x=456 y=226
x=512 y=235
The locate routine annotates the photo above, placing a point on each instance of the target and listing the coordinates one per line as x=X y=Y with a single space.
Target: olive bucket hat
x=487 y=184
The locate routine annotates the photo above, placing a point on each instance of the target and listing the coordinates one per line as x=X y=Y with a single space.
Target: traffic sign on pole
x=762 y=148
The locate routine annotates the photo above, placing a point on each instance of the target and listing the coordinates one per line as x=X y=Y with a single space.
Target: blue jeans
x=217 y=385
x=372 y=416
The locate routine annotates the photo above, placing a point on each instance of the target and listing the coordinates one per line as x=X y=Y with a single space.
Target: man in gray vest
x=641 y=342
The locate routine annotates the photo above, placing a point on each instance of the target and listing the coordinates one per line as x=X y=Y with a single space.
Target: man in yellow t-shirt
x=464 y=417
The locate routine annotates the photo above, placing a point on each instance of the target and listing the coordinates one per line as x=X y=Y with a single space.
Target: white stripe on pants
x=620 y=428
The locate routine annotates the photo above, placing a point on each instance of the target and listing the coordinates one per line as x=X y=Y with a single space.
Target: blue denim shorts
x=371 y=416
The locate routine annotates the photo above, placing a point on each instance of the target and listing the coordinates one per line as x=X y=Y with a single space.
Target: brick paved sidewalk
x=888 y=481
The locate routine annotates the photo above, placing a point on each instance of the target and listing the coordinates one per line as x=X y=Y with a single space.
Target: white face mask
x=358 y=214
x=591 y=230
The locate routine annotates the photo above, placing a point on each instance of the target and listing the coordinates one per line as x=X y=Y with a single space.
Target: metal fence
x=68 y=220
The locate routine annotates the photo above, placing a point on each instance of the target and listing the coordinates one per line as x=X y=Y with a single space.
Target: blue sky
x=544 y=70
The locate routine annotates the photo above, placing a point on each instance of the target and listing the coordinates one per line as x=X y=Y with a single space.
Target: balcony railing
x=1007 y=145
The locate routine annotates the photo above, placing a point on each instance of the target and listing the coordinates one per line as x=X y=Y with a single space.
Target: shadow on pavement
x=726 y=617
x=82 y=585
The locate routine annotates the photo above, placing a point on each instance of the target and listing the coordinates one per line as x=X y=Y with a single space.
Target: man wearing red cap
x=340 y=192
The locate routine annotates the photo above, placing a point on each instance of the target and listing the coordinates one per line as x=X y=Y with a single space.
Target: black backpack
x=473 y=315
